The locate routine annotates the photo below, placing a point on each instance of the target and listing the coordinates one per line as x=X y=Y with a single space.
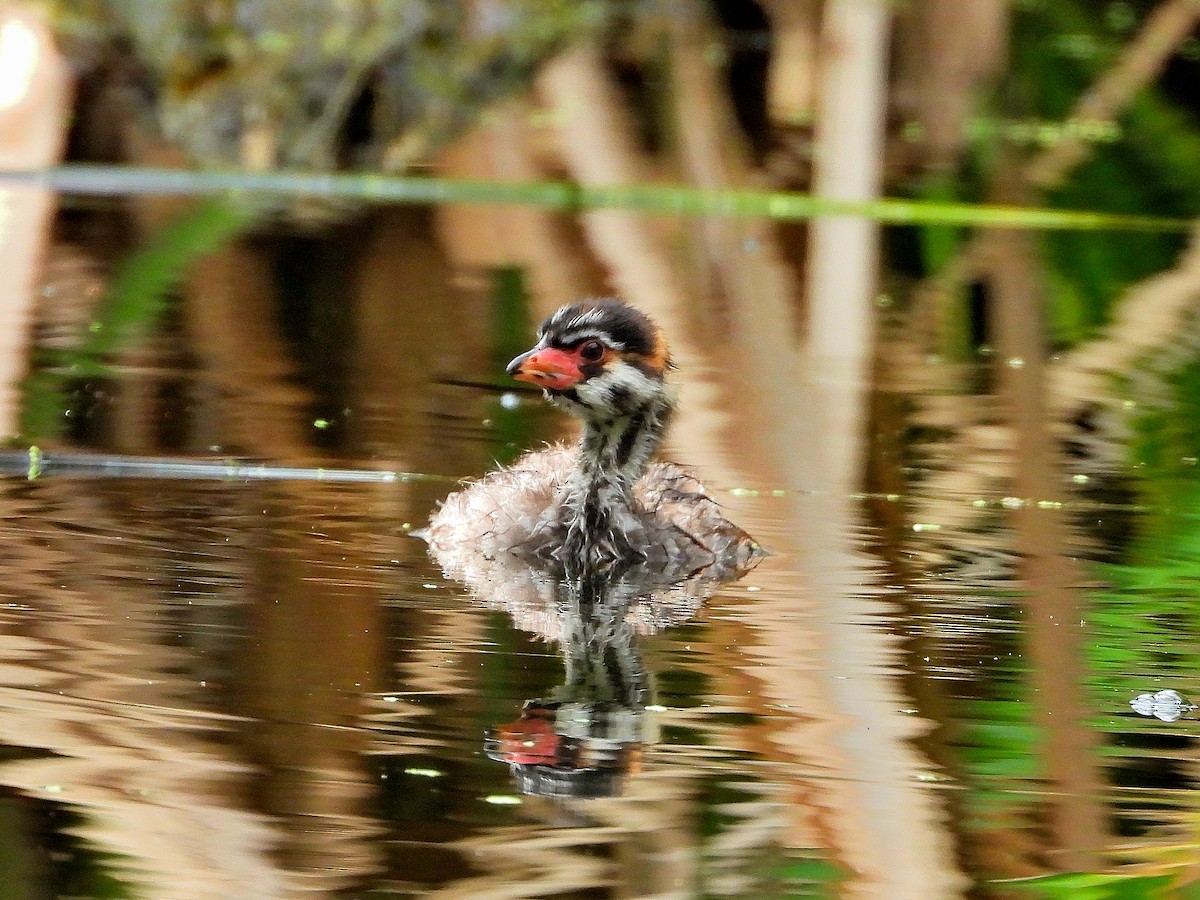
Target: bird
x=604 y=503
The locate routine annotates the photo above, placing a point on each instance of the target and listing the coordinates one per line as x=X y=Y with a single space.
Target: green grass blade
x=658 y=199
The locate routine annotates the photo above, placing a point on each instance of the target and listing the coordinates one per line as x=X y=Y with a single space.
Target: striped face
x=599 y=359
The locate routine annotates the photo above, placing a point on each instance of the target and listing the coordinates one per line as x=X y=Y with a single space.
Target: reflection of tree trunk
x=230 y=322
x=415 y=330
x=844 y=250
x=32 y=129
x=135 y=396
x=542 y=242
x=748 y=273
x=316 y=649
x=412 y=325
x=598 y=144
x=792 y=79
x=1054 y=607
x=945 y=50
x=232 y=326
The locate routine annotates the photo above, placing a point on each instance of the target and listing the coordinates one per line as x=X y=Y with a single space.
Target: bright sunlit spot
x=18 y=61
x=502 y=800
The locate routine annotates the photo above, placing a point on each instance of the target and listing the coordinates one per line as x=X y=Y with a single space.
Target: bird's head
x=598 y=359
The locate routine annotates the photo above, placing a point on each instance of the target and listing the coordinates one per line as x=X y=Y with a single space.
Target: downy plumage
x=603 y=503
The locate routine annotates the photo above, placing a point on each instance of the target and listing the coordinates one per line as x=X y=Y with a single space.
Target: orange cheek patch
x=658 y=359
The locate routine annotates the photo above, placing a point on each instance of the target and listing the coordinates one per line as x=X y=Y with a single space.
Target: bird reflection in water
x=591 y=547
x=590 y=734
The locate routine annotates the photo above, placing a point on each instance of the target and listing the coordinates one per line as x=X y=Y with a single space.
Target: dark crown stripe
x=624 y=325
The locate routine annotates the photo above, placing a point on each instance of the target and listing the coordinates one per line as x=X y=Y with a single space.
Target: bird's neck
x=614 y=452
x=598 y=510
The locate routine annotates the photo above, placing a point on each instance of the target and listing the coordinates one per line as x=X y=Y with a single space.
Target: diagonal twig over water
x=33 y=463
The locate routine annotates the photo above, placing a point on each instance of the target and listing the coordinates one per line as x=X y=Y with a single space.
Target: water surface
x=237 y=687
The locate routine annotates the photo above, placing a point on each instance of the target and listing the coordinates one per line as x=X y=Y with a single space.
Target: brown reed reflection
x=98 y=703
x=167 y=673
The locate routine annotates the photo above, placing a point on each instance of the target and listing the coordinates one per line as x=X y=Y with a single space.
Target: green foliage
x=1148 y=160
x=1059 y=49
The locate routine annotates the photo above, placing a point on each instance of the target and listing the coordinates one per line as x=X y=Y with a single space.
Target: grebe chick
x=604 y=502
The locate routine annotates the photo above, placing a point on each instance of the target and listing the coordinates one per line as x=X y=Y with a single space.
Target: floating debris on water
x=1167 y=705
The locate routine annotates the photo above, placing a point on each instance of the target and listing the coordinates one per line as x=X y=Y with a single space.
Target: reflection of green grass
x=512 y=432
x=998 y=752
x=1003 y=739
x=138 y=295
x=1145 y=625
x=809 y=877
x=1148 y=619
x=1082 y=886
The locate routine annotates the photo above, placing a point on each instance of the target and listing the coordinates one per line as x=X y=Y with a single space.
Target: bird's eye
x=591 y=351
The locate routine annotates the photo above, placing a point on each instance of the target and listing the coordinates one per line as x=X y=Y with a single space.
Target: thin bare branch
x=1165 y=30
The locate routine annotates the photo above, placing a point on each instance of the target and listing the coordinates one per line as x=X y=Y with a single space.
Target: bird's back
x=673 y=522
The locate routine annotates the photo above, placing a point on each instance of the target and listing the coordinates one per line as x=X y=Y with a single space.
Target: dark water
x=267 y=689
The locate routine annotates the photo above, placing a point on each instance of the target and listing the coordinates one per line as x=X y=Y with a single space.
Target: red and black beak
x=547 y=367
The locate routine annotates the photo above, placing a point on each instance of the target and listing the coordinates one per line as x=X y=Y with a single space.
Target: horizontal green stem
x=659 y=199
